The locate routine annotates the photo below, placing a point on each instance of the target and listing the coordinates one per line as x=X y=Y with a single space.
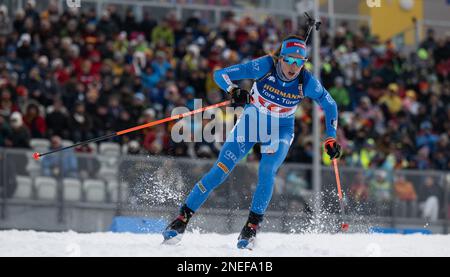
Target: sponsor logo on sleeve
x=223 y=167
x=255 y=65
x=232 y=69
x=329 y=99
x=318 y=87
x=201 y=187
x=227 y=79
x=334 y=123
x=230 y=156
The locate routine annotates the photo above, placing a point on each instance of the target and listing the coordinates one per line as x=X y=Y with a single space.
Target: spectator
x=61 y=73
x=13 y=166
x=441 y=156
x=19 y=137
x=192 y=58
x=106 y=25
x=57 y=120
x=163 y=33
x=359 y=193
x=447 y=180
x=101 y=120
x=430 y=196
x=133 y=147
x=204 y=150
x=5 y=21
x=160 y=64
x=7 y=107
x=406 y=196
x=87 y=74
x=13 y=63
x=381 y=193
x=156 y=140
x=410 y=102
x=30 y=12
x=366 y=110
x=150 y=78
x=5 y=129
x=124 y=122
x=391 y=100
x=422 y=159
x=80 y=123
x=88 y=165
x=297 y=185
x=366 y=155
x=430 y=42
x=62 y=164
x=330 y=71
x=189 y=93
x=137 y=106
x=440 y=53
x=115 y=18
x=353 y=72
x=387 y=73
x=130 y=23
x=147 y=25
x=25 y=51
x=426 y=137
x=35 y=122
x=340 y=93
x=35 y=86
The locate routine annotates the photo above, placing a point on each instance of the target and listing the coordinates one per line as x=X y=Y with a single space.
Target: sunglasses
x=291 y=60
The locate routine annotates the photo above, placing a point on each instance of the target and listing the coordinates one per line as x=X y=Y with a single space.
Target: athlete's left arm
x=254 y=69
x=314 y=90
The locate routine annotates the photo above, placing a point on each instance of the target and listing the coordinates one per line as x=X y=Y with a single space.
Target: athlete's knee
x=227 y=160
x=267 y=169
x=267 y=172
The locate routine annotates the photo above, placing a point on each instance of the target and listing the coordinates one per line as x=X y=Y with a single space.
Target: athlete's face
x=290 y=64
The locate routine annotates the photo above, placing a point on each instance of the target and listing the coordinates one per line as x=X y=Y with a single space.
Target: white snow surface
x=195 y=244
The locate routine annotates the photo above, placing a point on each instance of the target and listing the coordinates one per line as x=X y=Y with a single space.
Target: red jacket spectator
x=156 y=140
x=35 y=122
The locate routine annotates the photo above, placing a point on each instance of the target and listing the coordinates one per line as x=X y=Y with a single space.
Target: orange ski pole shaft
x=344 y=226
x=36 y=155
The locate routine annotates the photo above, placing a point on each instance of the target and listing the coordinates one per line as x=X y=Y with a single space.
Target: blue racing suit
x=272 y=99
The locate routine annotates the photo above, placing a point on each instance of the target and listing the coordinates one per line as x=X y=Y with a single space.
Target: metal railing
x=108 y=184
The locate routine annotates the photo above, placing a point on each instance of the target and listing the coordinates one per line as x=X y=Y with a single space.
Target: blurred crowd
x=76 y=75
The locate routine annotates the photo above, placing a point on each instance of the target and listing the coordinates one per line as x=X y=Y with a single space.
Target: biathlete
x=280 y=83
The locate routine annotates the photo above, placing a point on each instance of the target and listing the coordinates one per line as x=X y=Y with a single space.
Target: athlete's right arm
x=254 y=69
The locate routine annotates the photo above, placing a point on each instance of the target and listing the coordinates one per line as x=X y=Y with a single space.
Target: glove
x=239 y=96
x=332 y=148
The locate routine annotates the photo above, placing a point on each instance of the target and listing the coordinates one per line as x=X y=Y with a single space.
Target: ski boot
x=175 y=230
x=247 y=236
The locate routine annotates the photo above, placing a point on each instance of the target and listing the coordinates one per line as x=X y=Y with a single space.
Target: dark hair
x=32 y=106
x=276 y=55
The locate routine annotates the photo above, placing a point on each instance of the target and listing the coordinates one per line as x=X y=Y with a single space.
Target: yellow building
x=391 y=18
